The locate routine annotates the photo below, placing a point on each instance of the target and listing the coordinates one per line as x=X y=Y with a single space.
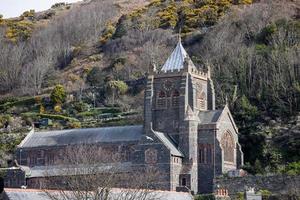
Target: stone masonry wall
x=277 y=184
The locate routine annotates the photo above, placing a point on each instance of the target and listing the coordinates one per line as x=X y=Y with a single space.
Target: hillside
x=99 y=51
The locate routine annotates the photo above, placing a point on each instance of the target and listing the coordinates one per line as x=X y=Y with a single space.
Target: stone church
x=183 y=136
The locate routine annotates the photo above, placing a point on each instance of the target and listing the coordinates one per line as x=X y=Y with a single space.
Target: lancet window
x=228 y=146
x=175 y=98
x=161 y=99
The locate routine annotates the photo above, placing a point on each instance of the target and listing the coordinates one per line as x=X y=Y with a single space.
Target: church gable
x=226 y=121
x=227 y=136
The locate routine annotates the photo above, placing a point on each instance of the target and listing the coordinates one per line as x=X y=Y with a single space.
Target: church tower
x=174 y=96
x=175 y=90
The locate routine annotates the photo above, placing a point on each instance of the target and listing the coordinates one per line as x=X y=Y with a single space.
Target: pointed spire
x=176 y=59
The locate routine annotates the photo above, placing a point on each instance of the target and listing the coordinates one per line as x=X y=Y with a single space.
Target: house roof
x=176 y=59
x=83 y=136
x=211 y=116
x=168 y=143
x=35 y=194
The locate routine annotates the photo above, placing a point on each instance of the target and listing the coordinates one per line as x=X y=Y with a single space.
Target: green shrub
x=8 y=99
x=95 y=77
x=74 y=124
x=292 y=168
x=57 y=117
x=18 y=30
x=265 y=194
x=98 y=111
x=58 y=94
x=57 y=5
x=28 y=101
x=29 y=13
x=240 y=196
x=81 y=106
x=168 y=16
x=205 y=197
x=57 y=108
x=107 y=33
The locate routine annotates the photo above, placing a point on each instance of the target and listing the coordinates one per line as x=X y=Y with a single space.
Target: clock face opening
x=168 y=85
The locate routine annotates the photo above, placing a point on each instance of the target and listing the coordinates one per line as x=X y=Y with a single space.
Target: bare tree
x=93 y=172
x=11 y=60
x=260 y=69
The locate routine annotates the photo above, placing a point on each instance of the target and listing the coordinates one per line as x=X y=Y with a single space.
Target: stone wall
x=277 y=184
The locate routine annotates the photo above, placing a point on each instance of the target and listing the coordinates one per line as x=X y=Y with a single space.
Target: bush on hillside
x=95 y=77
x=58 y=94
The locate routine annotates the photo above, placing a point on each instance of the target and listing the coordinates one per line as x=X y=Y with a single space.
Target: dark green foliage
x=121 y=28
x=58 y=94
x=57 y=117
x=98 y=111
x=205 y=197
x=57 y=5
x=245 y=112
x=266 y=34
x=81 y=106
x=27 y=101
x=8 y=100
x=292 y=168
x=95 y=77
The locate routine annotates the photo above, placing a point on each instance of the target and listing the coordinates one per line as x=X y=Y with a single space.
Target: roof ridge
x=90 y=128
x=160 y=135
x=26 y=138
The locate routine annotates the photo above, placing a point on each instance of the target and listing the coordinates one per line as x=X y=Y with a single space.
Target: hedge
x=21 y=102
x=49 y=116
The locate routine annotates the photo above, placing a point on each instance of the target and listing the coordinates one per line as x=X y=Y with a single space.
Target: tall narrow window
x=201 y=98
x=175 y=98
x=228 y=146
x=161 y=100
x=183 y=182
x=206 y=153
x=209 y=154
x=201 y=154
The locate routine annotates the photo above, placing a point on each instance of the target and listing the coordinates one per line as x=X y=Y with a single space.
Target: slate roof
x=168 y=143
x=83 y=136
x=35 y=194
x=176 y=59
x=42 y=171
x=211 y=116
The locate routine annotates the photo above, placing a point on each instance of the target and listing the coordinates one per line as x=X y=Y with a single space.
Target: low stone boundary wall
x=277 y=184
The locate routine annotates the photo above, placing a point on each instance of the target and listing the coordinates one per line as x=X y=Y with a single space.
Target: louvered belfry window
x=175 y=98
x=161 y=99
x=228 y=146
x=201 y=100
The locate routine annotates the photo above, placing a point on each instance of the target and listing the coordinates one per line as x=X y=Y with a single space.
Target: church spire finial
x=226 y=99
x=179 y=35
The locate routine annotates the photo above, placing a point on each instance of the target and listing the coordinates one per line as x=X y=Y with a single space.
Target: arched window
x=206 y=153
x=161 y=99
x=228 y=146
x=201 y=98
x=175 y=98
